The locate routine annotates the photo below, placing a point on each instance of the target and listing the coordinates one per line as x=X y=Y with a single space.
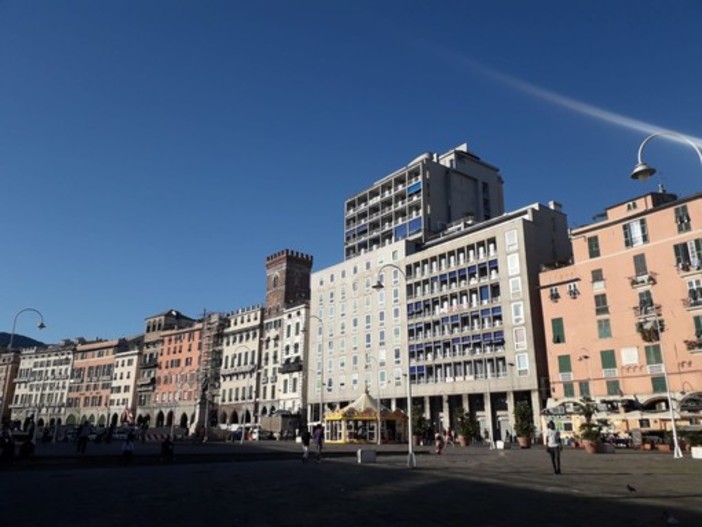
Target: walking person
x=128 y=448
x=83 y=435
x=438 y=443
x=318 y=438
x=553 y=446
x=305 y=436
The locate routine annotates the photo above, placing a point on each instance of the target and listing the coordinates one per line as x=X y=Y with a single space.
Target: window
x=568 y=389
x=520 y=340
x=522 y=360
x=558 y=330
x=640 y=267
x=604 y=330
x=511 y=241
x=635 y=233
x=658 y=384
x=601 y=306
x=593 y=246
x=613 y=388
x=688 y=255
x=645 y=301
x=513 y=264
x=553 y=293
x=653 y=354
x=564 y=365
x=597 y=279
x=682 y=218
x=517 y=313
x=515 y=287
x=584 y=388
x=609 y=360
x=698 y=326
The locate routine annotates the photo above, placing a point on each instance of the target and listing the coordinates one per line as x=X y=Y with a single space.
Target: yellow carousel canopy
x=365 y=407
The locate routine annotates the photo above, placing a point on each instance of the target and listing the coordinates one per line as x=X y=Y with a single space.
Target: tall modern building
x=459 y=317
x=421 y=199
x=624 y=321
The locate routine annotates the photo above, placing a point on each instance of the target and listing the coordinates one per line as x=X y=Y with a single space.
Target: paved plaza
x=265 y=483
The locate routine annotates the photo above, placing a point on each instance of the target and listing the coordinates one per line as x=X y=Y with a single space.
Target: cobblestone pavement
x=266 y=484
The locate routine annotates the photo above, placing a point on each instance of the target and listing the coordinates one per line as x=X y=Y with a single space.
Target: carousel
x=362 y=420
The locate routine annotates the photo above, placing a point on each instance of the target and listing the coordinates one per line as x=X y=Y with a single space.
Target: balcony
x=694 y=345
x=150 y=363
x=642 y=280
x=647 y=310
x=693 y=300
x=291 y=366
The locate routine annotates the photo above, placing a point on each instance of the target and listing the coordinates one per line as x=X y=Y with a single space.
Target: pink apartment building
x=623 y=321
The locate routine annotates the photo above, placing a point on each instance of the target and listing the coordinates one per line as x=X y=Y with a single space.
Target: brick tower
x=287 y=280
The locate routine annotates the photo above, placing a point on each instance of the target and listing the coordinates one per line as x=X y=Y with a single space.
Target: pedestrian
x=438 y=444
x=167 y=450
x=83 y=433
x=318 y=438
x=128 y=448
x=553 y=446
x=305 y=437
x=7 y=444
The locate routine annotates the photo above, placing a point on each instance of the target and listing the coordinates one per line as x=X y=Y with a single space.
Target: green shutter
x=659 y=385
x=564 y=364
x=609 y=360
x=613 y=388
x=653 y=354
x=584 y=389
x=558 y=331
x=698 y=326
x=568 y=389
x=593 y=246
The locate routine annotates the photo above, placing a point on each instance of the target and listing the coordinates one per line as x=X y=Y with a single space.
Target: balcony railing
x=642 y=280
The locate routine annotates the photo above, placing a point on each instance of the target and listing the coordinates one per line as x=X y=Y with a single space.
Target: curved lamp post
x=411 y=459
x=41 y=324
x=643 y=171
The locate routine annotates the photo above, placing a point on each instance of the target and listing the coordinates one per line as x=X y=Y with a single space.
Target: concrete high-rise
x=421 y=199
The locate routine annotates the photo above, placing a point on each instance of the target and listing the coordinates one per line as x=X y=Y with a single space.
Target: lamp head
x=378 y=286
x=642 y=172
x=41 y=325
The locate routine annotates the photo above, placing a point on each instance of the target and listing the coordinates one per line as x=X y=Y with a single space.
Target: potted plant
x=524 y=423
x=467 y=427
x=590 y=431
x=694 y=439
x=420 y=425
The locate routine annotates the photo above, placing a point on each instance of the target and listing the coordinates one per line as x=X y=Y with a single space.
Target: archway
x=101 y=421
x=264 y=411
x=40 y=422
x=159 y=419
x=169 y=418
x=113 y=421
x=91 y=419
x=71 y=420
x=223 y=418
x=184 y=420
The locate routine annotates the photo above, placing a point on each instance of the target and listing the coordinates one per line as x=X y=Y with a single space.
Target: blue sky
x=152 y=154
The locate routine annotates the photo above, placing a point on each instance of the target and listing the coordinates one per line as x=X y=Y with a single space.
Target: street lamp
x=411 y=459
x=643 y=171
x=377 y=430
x=677 y=452
x=41 y=324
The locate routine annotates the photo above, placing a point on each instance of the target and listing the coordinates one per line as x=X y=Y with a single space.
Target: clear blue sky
x=152 y=154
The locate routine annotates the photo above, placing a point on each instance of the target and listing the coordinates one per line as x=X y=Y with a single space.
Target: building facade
x=42 y=385
x=123 y=392
x=624 y=321
x=421 y=199
x=457 y=316
x=9 y=365
x=241 y=351
x=148 y=365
